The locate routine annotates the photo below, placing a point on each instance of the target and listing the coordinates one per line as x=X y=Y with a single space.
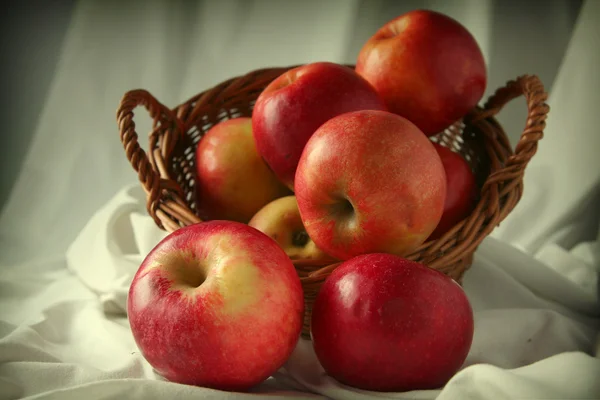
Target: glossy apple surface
x=461 y=192
x=367 y=182
x=233 y=182
x=294 y=105
x=384 y=323
x=281 y=221
x=216 y=304
x=428 y=68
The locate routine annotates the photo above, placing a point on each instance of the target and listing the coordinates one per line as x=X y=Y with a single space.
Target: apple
x=294 y=105
x=216 y=304
x=461 y=192
x=369 y=181
x=281 y=221
x=233 y=181
x=427 y=67
x=383 y=323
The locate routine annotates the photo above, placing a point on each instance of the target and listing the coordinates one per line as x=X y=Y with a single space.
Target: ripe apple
x=383 y=323
x=428 y=68
x=233 y=182
x=216 y=304
x=295 y=104
x=281 y=221
x=461 y=192
x=370 y=181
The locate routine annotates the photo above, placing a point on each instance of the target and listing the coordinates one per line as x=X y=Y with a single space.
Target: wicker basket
x=166 y=170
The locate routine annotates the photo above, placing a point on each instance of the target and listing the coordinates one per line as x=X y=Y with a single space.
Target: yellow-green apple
x=280 y=220
x=427 y=66
x=383 y=323
x=233 y=181
x=461 y=192
x=294 y=105
x=216 y=304
x=369 y=181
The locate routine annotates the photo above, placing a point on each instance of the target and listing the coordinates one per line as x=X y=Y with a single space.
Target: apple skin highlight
x=461 y=193
x=294 y=105
x=427 y=67
x=281 y=221
x=232 y=180
x=216 y=304
x=370 y=181
x=384 y=323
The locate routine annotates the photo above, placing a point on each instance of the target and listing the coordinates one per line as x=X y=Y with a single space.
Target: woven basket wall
x=166 y=169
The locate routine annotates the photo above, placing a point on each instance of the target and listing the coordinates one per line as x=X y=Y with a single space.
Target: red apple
x=295 y=104
x=461 y=192
x=217 y=304
x=383 y=323
x=428 y=68
x=281 y=221
x=233 y=182
x=367 y=182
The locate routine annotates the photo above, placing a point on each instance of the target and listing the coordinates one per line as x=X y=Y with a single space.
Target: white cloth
x=529 y=319
x=561 y=204
x=175 y=49
x=63 y=331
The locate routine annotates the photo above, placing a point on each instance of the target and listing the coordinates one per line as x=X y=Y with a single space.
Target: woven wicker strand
x=166 y=172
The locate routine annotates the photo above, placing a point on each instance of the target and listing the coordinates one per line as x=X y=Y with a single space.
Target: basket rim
x=501 y=190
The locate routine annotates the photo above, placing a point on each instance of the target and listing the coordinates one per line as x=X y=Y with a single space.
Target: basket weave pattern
x=167 y=171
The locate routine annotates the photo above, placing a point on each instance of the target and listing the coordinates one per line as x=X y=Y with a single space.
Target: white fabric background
x=74 y=228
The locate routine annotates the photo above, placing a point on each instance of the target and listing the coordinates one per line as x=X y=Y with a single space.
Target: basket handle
x=506 y=182
x=150 y=167
x=532 y=88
